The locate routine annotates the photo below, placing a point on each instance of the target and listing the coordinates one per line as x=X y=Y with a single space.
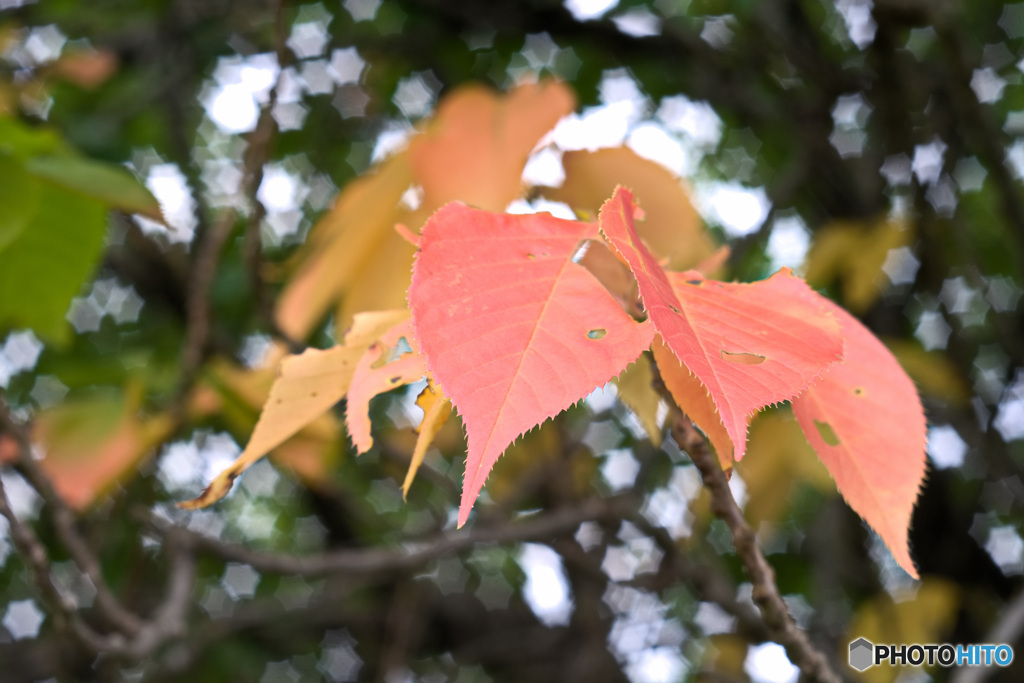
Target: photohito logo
x=864 y=654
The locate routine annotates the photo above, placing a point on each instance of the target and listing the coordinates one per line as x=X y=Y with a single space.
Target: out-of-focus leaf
x=86 y=68
x=778 y=461
x=19 y=200
x=672 y=228
x=473 y=150
x=383 y=280
x=475 y=147
x=725 y=656
x=49 y=260
x=21 y=142
x=853 y=253
x=925 y=614
x=932 y=371
x=340 y=245
x=109 y=184
x=90 y=444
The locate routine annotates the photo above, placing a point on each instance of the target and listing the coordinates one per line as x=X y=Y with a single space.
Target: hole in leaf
x=697 y=283
x=396 y=379
x=401 y=348
x=858 y=391
x=674 y=309
x=743 y=358
x=390 y=354
x=827 y=434
x=597 y=334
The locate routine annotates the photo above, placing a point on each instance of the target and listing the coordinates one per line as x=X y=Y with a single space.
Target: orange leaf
x=692 y=398
x=384 y=366
x=513 y=330
x=750 y=345
x=636 y=390
x=865 y=420
x=479 y=141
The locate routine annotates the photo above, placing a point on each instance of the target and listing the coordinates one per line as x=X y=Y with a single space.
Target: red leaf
x=865 y=420
x=513 y=330
x=384 y=366
x=750 y=345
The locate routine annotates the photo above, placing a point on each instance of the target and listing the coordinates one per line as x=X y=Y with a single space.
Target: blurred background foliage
x=876 y=147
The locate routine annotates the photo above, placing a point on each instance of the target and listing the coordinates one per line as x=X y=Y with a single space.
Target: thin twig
x=380 y=561
x=256 y=156
x=203 y=271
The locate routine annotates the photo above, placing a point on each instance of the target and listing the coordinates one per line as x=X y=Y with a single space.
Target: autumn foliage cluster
x=513 y=318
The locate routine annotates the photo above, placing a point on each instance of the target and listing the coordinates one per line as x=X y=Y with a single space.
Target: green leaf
x=110 y=184
x=45 y=265
x=19 y=199
x=21 y=141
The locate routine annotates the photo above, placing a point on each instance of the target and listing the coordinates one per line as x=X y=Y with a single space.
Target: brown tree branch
x=781 y=627
x=380 y=561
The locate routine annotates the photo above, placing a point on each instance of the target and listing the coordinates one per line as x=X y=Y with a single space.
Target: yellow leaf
x=637 y=392
x=308 y=385
x=237 y=394
x=932 y=371
x=436 y=410
x=382 y=279
x=852 y=253
x=340 y=244
x=725 y=656
x=778 y=461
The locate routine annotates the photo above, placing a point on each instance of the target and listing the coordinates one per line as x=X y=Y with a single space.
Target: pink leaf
x=513 y=330
x=384 y=366
x=750 y=345
x=865 y=420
